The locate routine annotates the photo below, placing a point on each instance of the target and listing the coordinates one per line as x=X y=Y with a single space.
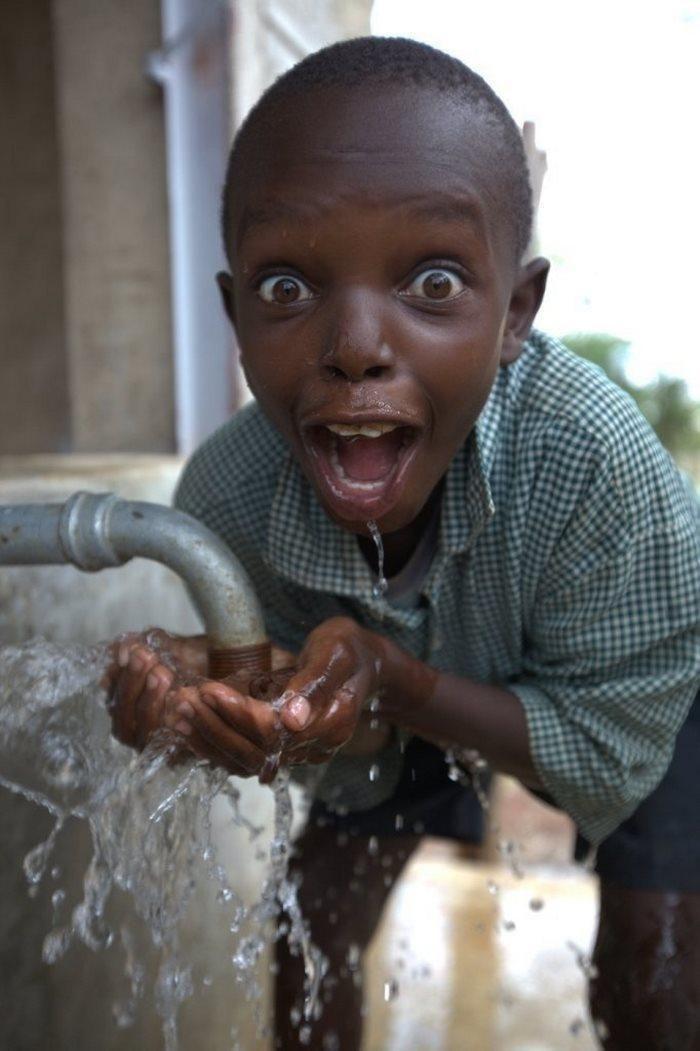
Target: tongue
x=369 y=459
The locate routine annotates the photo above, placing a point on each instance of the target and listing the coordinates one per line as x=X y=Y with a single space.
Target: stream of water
x=150 y=824
x=381 y=584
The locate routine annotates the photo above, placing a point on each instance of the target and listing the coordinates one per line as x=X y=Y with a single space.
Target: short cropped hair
x=397 y=61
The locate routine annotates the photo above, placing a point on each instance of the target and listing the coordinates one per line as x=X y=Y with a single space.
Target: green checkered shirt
x=567 y=569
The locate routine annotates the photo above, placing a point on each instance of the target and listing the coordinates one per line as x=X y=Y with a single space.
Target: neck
x=399 y=546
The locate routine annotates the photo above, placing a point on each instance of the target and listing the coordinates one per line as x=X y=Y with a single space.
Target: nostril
x=375 y=371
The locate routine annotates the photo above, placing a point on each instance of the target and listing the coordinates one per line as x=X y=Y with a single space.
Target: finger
x=231 y=744
x=130 y=685
x=307 y=752
x=197 y=745
x=311 y=689
x=336 y=725
x=118 y=657
x=204 y=749
x=256 y=720
x=150 y=706
x=123 y=646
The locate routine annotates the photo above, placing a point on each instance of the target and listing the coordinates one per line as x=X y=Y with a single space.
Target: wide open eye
x=284 y=289
x=437 y=284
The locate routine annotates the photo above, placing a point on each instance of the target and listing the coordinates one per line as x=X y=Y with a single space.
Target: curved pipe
x=94 y=531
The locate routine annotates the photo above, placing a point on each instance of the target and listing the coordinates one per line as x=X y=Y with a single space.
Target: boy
x=541 y=553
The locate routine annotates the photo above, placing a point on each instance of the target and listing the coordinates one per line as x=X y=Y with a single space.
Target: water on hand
x=150 y=824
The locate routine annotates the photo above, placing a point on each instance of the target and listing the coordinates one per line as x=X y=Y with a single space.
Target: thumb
x=312 y=687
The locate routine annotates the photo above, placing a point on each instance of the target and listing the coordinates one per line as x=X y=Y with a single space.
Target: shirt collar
x=305 y=546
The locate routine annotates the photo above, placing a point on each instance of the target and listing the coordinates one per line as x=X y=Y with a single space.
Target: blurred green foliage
x=666 y=402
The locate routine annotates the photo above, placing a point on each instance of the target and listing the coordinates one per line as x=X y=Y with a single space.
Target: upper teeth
x=365 y=430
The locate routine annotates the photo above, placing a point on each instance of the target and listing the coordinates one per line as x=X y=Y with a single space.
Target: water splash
x=150 y=821
x=379 y=588
x=391 y=990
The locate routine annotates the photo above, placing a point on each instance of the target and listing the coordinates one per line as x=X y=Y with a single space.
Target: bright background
x=613 y=87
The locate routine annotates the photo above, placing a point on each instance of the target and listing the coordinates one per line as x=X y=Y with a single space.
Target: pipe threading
x=256 y=658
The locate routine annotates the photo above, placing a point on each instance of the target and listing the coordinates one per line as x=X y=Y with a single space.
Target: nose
x=356 y=347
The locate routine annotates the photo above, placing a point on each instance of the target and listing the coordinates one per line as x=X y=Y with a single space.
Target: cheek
x=460 y=380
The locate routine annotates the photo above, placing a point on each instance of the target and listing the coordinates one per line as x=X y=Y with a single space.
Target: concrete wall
x=34 y=403
x=85 y=333
x=115 y=226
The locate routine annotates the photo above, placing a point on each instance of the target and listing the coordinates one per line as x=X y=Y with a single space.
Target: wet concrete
x=484 y=960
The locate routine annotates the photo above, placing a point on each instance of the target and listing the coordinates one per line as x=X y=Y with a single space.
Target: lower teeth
x=347 y=480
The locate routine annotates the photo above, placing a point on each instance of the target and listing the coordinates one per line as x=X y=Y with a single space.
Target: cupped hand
x=156 y=682
x=315 y=707
x=142 y=669
x=338 y=672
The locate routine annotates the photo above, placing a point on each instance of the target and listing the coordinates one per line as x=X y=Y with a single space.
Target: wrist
x=406 y=684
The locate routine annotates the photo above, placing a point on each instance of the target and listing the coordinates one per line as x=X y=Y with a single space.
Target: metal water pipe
x=95 y=531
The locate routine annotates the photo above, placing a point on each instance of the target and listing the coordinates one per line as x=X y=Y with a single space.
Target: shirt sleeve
x=612 y=653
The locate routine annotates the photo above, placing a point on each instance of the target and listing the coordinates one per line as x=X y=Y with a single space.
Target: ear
x=225 y=283
x=525 y=301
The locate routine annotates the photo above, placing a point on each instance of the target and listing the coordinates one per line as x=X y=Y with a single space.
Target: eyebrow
x=272 y=212
x=440 y=207
x=446 y=208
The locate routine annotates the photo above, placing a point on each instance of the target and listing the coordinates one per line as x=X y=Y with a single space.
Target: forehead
x=389 y=148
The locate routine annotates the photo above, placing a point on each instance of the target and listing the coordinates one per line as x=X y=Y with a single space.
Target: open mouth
x=360 y=467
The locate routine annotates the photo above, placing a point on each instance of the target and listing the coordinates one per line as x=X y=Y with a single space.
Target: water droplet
x=583 y=962
x=391 y=990
x=353 y=955
x=577 y=1026
x=123 y=1012
x=398 y=822
x=536 y=904
x=56 y=944
x=373 y=846
x=508 y=925
x=492 y=887
x=374 y=772
x=57 y=898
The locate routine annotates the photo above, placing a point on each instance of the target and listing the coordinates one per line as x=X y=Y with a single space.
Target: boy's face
x=373 y=292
